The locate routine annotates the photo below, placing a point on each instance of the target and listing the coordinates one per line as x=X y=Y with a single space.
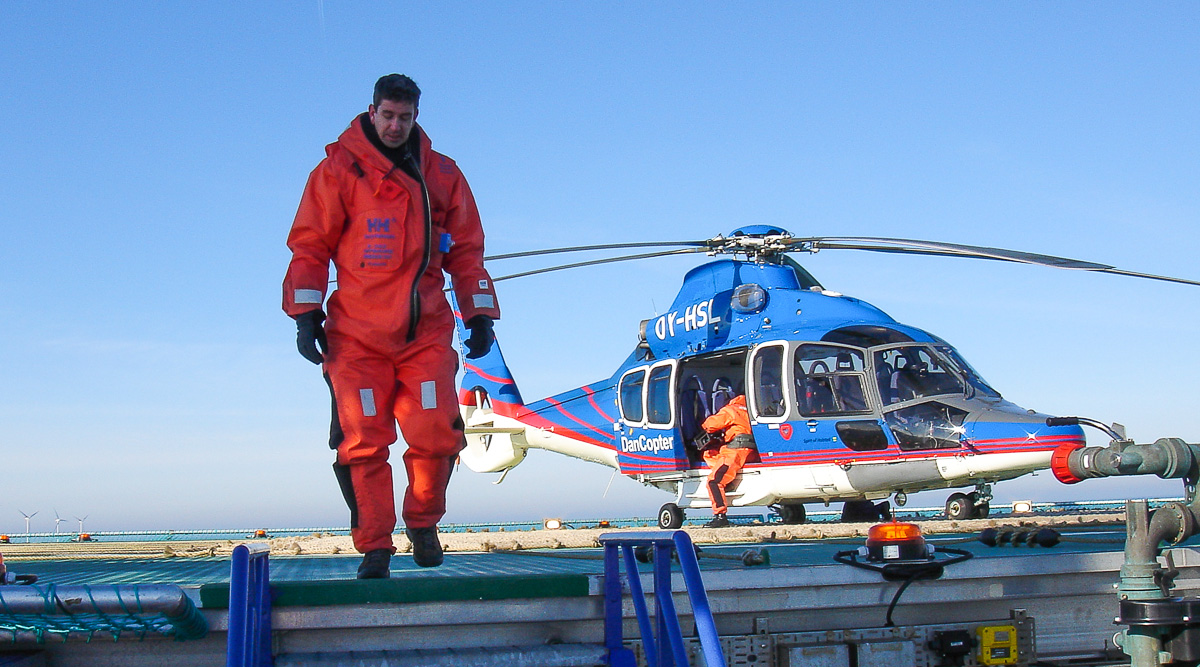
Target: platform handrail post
x=664 y=644
x=639 y=607
x=618 y=655
x=706 y=627
x=249 y=627
x=671 y=647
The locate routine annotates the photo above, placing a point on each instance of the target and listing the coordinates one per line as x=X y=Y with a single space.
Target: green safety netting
x=36 y=614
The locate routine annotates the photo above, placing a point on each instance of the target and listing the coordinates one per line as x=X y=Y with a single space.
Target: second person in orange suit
x=391 y=214
x=725 y=462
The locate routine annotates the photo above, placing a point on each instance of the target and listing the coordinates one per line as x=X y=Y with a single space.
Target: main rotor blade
x=606 y=260
x=915 y=247
x=603 y=246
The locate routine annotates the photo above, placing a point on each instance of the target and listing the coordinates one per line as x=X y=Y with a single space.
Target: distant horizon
x=734 y=513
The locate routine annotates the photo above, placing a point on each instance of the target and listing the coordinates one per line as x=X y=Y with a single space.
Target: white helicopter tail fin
x=489 y=400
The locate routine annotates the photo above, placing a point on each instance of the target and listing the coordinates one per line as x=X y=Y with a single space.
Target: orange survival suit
x=391 y=230
x=725 y=462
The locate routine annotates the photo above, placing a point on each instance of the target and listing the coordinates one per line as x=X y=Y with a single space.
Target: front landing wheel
x=790 y=513
x=670 y=517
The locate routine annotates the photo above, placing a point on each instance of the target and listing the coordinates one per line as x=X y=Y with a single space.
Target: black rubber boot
x=426 y=547
x=375 y=564
x=719 y=521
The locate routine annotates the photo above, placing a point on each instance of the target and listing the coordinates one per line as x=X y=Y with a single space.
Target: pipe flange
x=1171 y=612
x=1060 y=462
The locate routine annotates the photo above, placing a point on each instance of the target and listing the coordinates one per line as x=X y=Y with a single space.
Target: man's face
x=393 y=121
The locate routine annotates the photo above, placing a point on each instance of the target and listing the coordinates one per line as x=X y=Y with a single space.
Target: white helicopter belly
x=964 y=469
x=546 y=438
x=766 y=486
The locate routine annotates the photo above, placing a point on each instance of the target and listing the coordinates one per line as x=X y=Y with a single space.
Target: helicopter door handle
x=812 y=425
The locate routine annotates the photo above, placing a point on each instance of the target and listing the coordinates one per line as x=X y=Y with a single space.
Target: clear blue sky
x=152 y=156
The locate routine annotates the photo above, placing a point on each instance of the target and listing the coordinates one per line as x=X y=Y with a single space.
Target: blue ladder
x=663 y=641
x=249 y=641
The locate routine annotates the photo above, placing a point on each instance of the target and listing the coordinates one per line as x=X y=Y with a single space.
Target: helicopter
x=846 y=403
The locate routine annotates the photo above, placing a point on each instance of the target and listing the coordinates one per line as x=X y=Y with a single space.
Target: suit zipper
x=414 y=297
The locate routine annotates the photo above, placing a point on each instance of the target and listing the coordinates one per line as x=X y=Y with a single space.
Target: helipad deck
x=554 y=597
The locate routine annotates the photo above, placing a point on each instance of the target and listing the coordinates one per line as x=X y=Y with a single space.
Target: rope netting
x=82 y=613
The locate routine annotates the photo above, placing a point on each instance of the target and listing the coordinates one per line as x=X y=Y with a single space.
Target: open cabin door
x=706 y=383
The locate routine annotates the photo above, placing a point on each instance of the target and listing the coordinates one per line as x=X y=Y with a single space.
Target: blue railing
x=249 y=642
x=662 y=639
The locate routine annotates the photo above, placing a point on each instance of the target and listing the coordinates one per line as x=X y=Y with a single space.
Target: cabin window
x=927 y=426
x=631 y=396
x=768 y=381
x=914 y=371
x=862 y=435
x=658 y=395
x=829 y=380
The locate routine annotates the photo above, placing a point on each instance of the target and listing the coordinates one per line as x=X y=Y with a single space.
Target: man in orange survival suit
x=392 y=215
x=725 y=462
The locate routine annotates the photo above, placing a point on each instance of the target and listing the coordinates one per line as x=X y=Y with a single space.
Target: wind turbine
x=27 y=518
x=57 y=520
x=81 y=522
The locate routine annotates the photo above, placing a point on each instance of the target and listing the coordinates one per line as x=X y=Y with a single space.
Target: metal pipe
x=1141 y=555
x=51 y=599
x=67 y=612
x=1138 y=580
x=1168 y=458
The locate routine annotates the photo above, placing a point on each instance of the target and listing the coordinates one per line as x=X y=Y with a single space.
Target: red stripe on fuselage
x=558 y=406
x=591 y=399
x=493 y=378
x=530 y=418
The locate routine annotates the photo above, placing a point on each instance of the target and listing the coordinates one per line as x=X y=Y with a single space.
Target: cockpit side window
x=631 y=396
x=914 y=371
x=829 y=380
x=768 y=381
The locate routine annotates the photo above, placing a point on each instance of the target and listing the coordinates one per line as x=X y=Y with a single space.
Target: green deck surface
x=411 y=589
x=329 y=579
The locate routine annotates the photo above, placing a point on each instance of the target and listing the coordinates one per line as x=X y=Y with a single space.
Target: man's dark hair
x=397 y=88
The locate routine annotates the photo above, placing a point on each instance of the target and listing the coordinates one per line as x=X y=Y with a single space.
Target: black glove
x=706 y=441
x=480 y=342
x=310 y=333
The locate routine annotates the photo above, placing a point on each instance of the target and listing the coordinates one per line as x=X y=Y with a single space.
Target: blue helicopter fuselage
x=829 y=379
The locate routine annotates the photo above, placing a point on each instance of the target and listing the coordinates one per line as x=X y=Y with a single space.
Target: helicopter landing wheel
x=791 y=513
x=670 y=517
x=980 y=508
x=860 y=511
x=959 y=507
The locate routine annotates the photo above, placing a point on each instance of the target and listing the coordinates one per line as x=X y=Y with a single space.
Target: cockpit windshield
x=964 y=369
x=916 y=371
